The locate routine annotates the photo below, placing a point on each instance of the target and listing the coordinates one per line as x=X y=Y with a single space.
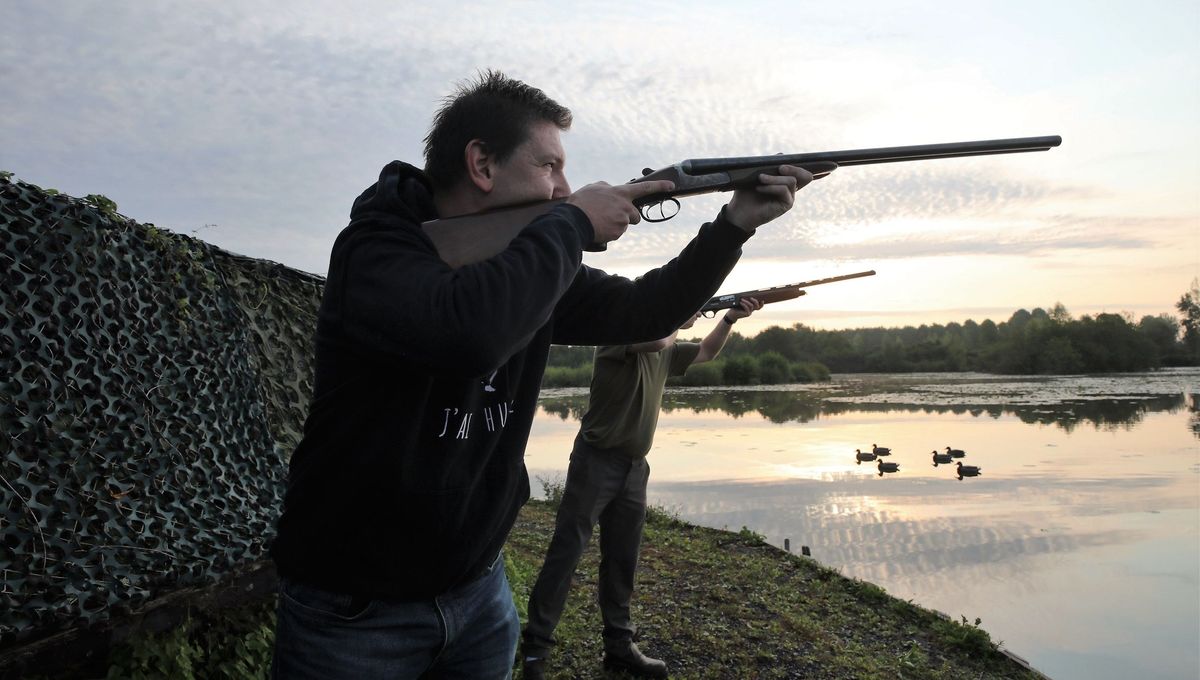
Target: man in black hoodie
x=411 y=469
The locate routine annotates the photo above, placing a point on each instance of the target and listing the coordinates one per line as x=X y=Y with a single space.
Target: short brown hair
x=494 y=108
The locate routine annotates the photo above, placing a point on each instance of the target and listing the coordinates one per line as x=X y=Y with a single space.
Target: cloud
x=268 y=119
x=647 y=244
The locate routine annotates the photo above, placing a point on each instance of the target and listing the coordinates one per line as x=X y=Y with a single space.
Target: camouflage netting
x=151 y=388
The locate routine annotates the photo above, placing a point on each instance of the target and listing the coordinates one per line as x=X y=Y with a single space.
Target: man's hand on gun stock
x=774 y=196
x=611 y=209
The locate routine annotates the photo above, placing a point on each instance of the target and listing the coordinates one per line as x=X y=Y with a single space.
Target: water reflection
x=785 y=407
x=1079 y=545
x=1194 y=409
x=920 y=531
x=1065 y=571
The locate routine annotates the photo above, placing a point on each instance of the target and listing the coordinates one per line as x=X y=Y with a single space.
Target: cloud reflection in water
x=1080 y=538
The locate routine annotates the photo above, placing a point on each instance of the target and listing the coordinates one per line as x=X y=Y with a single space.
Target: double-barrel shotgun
x=769 y=295
x=466 y=239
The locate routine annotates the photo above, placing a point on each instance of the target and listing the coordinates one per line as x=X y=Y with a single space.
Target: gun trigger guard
x=662 y=213
x=709 y=314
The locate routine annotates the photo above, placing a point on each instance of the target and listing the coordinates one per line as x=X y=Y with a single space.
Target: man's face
x=534 y=171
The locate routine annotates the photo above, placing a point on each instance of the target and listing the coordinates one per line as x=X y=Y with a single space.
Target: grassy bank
x=716 y=604
x=713 y=604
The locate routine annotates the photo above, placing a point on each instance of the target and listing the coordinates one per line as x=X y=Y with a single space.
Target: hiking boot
x=623 y=655
x=533 y=669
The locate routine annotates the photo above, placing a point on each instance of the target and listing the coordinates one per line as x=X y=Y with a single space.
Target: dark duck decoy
x=941 y=458
x=955 y=453
x=860 y=456
x=880 y=451
x=888 y=467
x=968 y=470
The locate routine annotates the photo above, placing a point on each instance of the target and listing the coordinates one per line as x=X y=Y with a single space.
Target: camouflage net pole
x=151 y=389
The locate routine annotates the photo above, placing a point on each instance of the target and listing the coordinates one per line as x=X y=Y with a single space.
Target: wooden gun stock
x=472 y=238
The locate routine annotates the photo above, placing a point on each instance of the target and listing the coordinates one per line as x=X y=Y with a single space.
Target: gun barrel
x=890 y=154
x=833 y=279
x=776 y=294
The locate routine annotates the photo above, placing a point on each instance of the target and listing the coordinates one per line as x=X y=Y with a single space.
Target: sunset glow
x=254 y=125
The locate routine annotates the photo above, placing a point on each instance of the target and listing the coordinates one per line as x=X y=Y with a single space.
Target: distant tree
x=1029 y=342
x=736 y=344
x=928 y=355
x=740 y=370
x=810 y=371
x=957 y=357
x=911 y=336
x=1189 y=307
x=838 y=352
x=571 y=355
x=567 y=376
x=774 y=369
x=1059 y=356
x=970 y=333
x=809 y=343
x=890 y=357
x=988 y=333
x=781 y=341
x=1163 y=332
x=1015 y=324
x=1110 y=343
x=706 y=374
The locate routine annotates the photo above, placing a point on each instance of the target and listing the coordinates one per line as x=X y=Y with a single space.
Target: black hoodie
x=411 y=469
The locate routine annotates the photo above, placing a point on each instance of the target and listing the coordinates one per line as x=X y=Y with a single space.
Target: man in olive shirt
x=606 y=482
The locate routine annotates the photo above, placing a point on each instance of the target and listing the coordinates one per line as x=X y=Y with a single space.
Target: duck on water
x=968 y=470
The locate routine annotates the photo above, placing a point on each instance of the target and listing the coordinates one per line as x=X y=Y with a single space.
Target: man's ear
x=480 y=165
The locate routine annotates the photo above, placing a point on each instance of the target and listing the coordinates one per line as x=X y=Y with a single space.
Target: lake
x=1078 y=545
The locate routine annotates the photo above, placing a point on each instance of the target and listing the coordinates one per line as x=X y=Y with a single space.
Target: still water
x=1078 y=545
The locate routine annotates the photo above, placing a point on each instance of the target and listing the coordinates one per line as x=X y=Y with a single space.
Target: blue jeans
x=470 y=632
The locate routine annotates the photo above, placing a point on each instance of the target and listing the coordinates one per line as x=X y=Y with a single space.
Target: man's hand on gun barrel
x=753 y=207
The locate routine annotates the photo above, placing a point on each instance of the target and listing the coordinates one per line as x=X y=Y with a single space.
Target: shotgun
x=769 y=295
x=466 y=239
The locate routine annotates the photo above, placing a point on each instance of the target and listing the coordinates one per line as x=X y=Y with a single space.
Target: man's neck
x=455 y=202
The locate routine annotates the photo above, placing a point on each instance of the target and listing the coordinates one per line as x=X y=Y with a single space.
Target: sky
x=253 y=125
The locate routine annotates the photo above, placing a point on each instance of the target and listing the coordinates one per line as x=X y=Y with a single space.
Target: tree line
x=1029 y=342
